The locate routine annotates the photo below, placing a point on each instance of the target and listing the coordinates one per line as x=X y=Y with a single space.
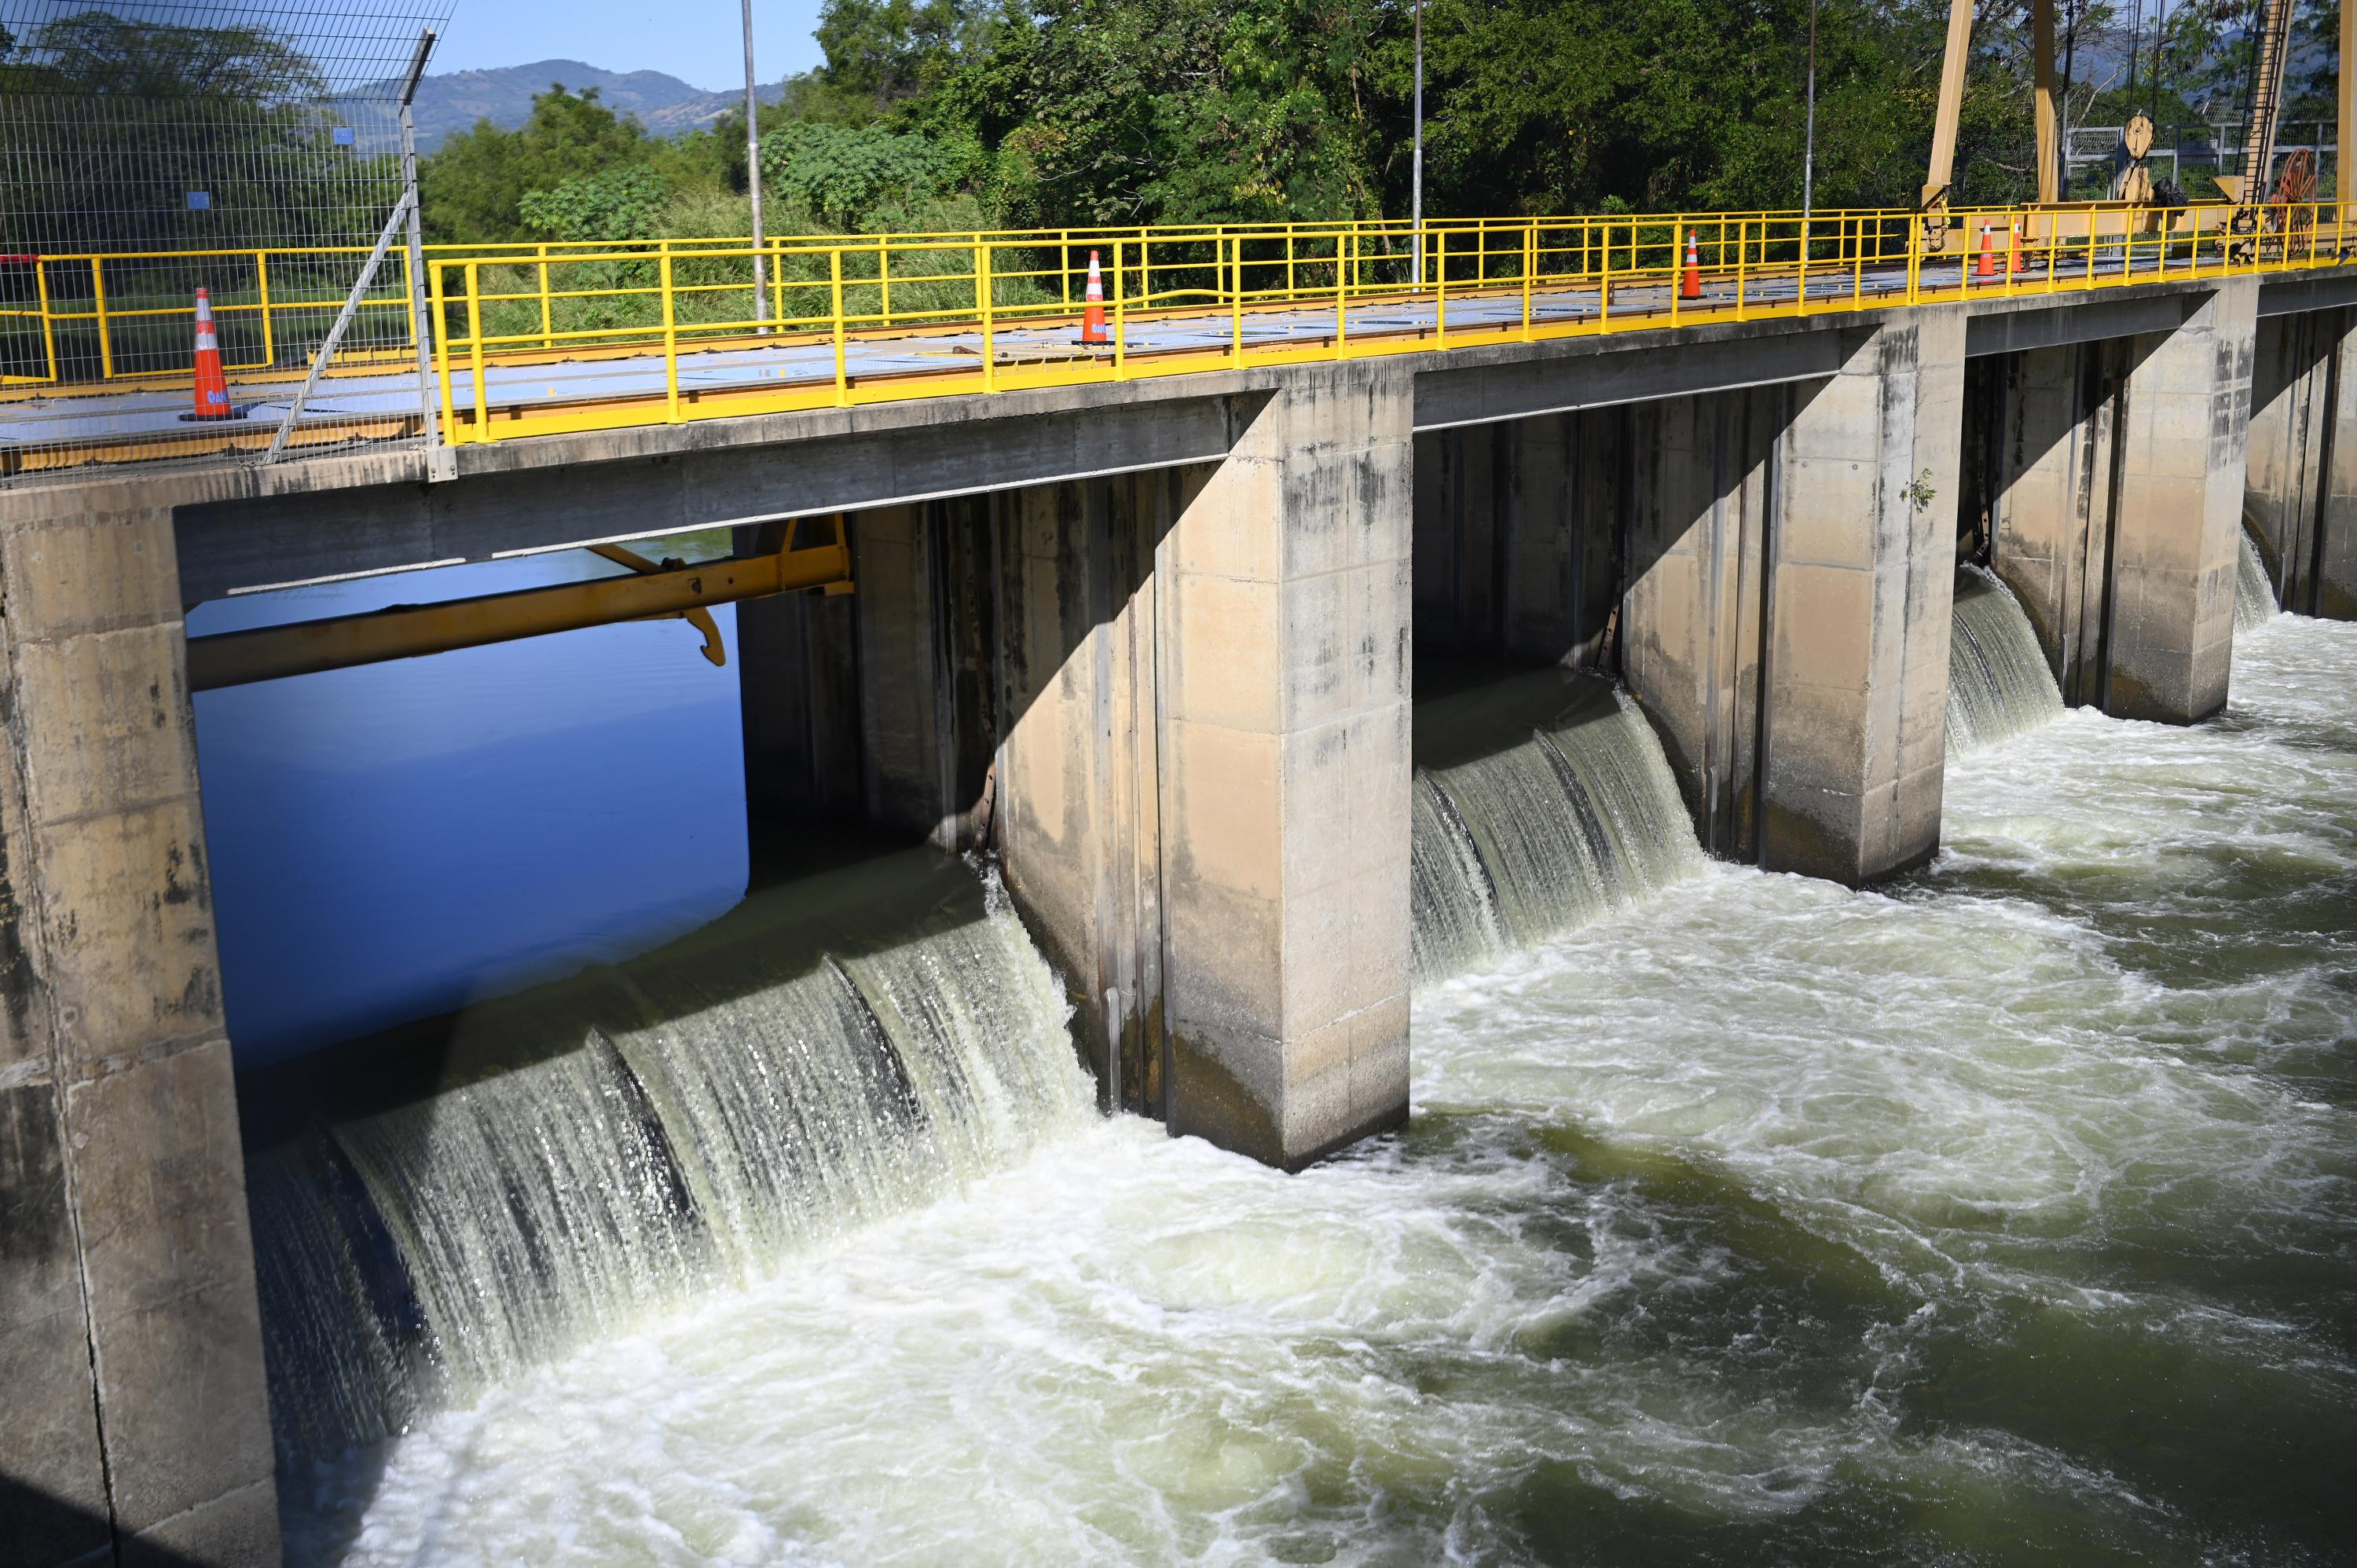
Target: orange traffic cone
x=1092 y=321
x=1987 y=265
x=2013 y=262
x=1690 y=287
x=213 y=387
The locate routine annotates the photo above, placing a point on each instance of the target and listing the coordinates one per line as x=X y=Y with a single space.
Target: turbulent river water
x=2009 y=1214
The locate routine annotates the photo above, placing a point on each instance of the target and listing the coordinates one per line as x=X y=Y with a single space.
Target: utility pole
x=753 y=177
x=1416 y=174
x=1809 y=141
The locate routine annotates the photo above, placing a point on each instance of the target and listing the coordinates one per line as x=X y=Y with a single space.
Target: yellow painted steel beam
x=2041 y=35
x=1942 y=173
x=409 y=631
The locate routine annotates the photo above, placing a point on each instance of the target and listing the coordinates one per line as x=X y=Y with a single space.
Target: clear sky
x=699 y=41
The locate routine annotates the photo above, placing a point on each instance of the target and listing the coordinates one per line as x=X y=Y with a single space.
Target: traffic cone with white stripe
x=213 y=387
x=1092 y=321
x=1690 y=287
x=1986 y=266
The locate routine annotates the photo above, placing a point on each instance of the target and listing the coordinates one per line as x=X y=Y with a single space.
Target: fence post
x=883 y=280
x=547 y=323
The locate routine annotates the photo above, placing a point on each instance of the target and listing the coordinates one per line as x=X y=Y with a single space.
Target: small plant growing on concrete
x=1919 y=491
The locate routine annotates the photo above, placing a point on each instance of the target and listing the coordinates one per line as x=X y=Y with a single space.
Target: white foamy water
x=2003 y=1216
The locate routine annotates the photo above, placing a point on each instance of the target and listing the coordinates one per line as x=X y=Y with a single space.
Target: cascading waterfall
x=1998 y=681
x=1544 y=803
x=602 y=1148
x=2254 y=591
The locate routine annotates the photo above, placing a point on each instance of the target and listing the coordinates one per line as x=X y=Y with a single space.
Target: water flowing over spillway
x=2255 y=592
x=615 y=1145
x=2003 y=1214
x=1998 y=681
x=1545 y=802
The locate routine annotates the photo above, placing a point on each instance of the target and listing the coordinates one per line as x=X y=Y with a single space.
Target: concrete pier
x=135 y=1425
x=2183 y=436
x=2119 y=504
x=1782 y=565
x=1204 y=781
x=1860 y=581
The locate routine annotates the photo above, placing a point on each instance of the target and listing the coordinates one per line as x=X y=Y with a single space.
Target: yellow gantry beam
x=407 y=631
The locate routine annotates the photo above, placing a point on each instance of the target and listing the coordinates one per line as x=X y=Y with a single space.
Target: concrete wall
x=1696 y=523
x=2295 y=370
x=1516 y=536
x=133 y=1420
x=2121 y=502
x=2054 y=506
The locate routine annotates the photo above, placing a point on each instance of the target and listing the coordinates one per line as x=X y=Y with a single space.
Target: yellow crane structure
x=2052 y=218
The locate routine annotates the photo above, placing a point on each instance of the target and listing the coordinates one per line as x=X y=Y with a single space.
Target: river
x=2009 y=1214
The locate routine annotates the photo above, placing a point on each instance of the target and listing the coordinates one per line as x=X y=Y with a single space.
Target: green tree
x=472 y=188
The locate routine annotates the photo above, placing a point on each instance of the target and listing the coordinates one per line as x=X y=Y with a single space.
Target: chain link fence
x=151 y=149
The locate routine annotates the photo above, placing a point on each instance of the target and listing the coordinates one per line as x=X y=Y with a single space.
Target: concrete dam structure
x=1258 y=697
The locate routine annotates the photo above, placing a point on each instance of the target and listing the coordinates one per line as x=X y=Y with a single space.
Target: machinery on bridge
x=2131 y=206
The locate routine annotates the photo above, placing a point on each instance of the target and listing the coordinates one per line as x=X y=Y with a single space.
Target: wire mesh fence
x=151 y=149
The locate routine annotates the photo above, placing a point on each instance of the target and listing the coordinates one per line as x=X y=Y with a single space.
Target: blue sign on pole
x=200 y=202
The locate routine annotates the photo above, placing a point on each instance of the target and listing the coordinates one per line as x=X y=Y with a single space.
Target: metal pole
x=418 y=308
x=1809 y=142
x=753 y=177
x=1416 y=174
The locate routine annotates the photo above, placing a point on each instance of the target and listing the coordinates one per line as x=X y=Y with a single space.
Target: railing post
x=982 y=308
x=1236 y=298
x=1742 y=227
x=441 y=340
x=1530 y=265
x=834 y=291
x=883 y=280
x=1604 y=282
x=49 y=326
x=1437 y=245
x=1801 y=294
x=1342 y=291
x=262 y=289
x=1120 y=316
x=1064 y=263
x=106 y=337
x=475 y=352
x=671 y=336
x=547 y=322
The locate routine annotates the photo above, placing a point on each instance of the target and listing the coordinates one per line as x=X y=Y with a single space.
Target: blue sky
x=699 y=41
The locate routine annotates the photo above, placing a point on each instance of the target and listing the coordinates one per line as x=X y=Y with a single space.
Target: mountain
x=664 y=104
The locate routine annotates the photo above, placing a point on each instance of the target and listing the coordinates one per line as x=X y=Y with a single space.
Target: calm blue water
x=392 y=841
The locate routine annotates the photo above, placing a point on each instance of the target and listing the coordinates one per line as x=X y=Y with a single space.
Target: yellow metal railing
x=543 y=338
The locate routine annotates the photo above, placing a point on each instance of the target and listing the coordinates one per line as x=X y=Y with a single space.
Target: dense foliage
x=1021 y=112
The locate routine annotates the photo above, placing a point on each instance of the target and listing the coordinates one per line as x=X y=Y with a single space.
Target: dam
x=1732 y=934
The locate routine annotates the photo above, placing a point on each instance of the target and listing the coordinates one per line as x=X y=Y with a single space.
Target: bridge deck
x=524 y=394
